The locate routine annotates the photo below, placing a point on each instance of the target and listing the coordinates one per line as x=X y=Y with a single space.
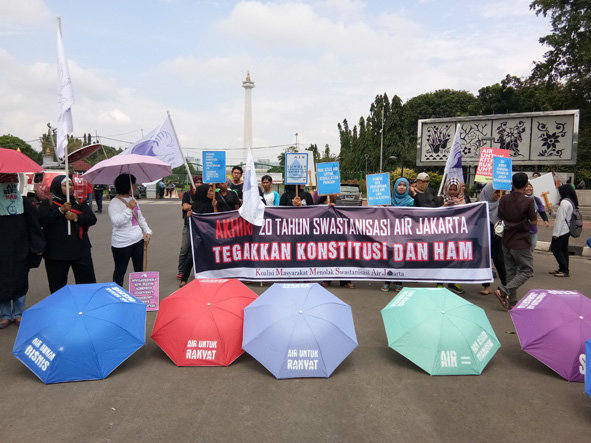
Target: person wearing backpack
x=564 y=225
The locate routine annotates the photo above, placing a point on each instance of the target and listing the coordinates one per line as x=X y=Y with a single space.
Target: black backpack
x=575 y=225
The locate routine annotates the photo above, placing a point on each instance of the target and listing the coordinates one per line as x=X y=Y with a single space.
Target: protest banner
x=329 y=178
x=214 y=166
x=145 y=286
x=378 y=189
x=484 y=171
x=502 y=173
x=296 y=168
x=545 y=189
x=450 y=244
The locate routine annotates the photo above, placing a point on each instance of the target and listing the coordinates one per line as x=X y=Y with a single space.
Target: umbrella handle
x=145 y=268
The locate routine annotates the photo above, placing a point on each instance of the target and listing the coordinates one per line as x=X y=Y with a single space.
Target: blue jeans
x=12 y=309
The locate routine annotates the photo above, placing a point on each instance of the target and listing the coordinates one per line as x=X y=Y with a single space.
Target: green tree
x=11 y=142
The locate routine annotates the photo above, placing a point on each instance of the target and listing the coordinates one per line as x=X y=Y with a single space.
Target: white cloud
x=16 y=16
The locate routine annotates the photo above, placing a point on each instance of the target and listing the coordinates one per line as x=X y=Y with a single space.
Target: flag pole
x=181 y=151
x=59 y=27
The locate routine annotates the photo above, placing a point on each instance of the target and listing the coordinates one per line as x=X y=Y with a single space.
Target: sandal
x=485 y=291
x=561 y=274
x=183 y=283
x=349 y=285
x=554 y=272
x=503 y=299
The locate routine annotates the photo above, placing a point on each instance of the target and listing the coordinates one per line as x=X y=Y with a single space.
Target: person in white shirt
x=270 y=197
x=130 y=230
x=561 y=232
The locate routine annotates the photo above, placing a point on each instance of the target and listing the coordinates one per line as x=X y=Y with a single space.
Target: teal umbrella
x=439 y=331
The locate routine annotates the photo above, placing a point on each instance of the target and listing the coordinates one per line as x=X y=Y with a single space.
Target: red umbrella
x=12 y=161
x=201 y=324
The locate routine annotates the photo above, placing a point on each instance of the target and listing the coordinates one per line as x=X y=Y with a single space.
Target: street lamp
x=394 y=157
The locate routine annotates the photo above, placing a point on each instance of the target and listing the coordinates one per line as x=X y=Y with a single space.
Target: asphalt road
x=375 y=395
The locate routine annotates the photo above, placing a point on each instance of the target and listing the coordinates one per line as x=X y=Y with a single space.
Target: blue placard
x=378 y=189
x=502 y=172
x=296 y=168
x=214 y=166
x=329 y=178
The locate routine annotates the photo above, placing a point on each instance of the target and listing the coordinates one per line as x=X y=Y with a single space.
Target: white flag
x=253 y=208
x=453 y=166
x=161 y=143
x=65 y=98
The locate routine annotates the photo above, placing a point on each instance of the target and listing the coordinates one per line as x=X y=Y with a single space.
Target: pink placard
x=485 y=163
x=145 y=287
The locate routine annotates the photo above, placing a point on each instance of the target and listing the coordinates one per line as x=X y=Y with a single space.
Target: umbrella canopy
x=552 y=326
x=83 y=152
x=440 y=332
x=80 y=332
x=299 y=330
x=201 y=323
x=145 y=169
x=12 y=161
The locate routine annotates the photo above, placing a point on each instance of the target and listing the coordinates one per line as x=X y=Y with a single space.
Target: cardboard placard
x=145 y=286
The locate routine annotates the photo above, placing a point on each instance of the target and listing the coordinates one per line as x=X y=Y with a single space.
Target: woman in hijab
x=453 y=193
x=400 y=197
x=130 y=229
x=21 y=238
x=488 y=194
x=65 y=251
x=561 y=232
x=289 y=197
x=203 y=203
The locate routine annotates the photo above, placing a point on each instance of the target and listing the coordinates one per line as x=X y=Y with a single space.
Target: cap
x=423 y=176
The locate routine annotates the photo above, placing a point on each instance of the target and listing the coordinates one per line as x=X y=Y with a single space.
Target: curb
x=583 y=251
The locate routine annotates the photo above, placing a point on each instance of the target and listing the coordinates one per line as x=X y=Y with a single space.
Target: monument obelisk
x=247 y=85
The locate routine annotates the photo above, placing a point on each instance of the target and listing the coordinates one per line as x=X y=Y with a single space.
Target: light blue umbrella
x=299 y=330
x=81 y=332
x=440 y=332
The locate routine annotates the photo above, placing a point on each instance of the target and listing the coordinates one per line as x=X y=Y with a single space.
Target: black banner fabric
x=346 y=243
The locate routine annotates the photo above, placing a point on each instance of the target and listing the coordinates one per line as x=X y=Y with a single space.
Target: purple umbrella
x=553 y=325
x=145 y=168
x=298 y=330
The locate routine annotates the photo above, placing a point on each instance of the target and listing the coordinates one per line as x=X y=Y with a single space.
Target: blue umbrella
x=299 y=330
x=81 y=332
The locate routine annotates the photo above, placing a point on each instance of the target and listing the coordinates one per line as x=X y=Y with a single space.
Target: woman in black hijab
x=65 y=251
x=289 y=197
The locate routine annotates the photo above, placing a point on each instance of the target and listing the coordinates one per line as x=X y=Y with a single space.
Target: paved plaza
x=374 y=395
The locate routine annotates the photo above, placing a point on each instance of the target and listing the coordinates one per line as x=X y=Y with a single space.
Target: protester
x=130 y=229
x=289 y=197
x=453 y=196
x=270 y=197
x=22 y=243
x=464 y=191
x=517 y=212
x=561 y=232
x=161 y=189
x=533 y=229
x=203 y=203
x=186 y=205
x=488 y=194
x=423 y=195
x=330 y=200
x=236 y=183
x=400 y=197
x=226 y=200
x=535 y=175
x=98 y=196
x=64 y=251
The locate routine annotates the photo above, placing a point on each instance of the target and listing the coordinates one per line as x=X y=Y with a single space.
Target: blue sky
x=314 y=63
